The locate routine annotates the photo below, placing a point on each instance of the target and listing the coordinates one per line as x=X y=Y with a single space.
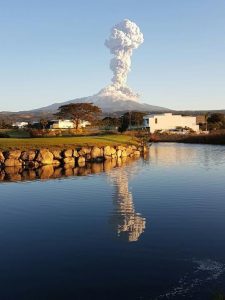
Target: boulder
x=119 y=153
x=95 y=152
x=69 y=160
x=57 y=154
x=2 y=158
x=28 y=155
x=31 y=164
x=68 y=153
x=113 y=150
x=45 y=157
x=137 y=153
x=124 y=153
x=13 y=154
x=56 y=162
x=84 y=150
x=121 y=148
x=75 y=153
x=11 y=162
x=81 y=160
x=107 y=151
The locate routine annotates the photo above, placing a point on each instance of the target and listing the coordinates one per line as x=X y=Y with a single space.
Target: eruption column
x=124 y=37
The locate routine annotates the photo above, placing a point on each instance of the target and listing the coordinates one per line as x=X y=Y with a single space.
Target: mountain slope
x=107 y=104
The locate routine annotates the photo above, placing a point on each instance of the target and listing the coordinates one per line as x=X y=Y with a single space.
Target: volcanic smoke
x=124 y=38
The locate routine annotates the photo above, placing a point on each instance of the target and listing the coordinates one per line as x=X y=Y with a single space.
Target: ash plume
x=124 y=38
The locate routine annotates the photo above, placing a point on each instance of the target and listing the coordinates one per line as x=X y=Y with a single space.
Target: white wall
x=168 y=121
x=63 y=124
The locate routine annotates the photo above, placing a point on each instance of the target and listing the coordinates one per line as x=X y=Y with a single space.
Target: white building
x=20 y=124
x=168 y=121
x=67 y=124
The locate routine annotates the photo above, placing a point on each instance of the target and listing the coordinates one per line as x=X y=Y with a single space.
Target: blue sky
x=53 y=51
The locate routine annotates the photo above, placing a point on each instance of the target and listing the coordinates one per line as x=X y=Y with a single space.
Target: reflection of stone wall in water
x=127 y=221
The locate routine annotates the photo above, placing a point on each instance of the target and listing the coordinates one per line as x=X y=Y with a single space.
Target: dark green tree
x=77 y=112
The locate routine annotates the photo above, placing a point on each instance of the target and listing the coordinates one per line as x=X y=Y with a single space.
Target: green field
x=65 y=142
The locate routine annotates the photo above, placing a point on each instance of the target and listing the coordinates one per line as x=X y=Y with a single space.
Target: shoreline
x=209 y=139
x=76 y=156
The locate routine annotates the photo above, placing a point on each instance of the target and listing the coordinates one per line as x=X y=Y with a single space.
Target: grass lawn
x=65 y=142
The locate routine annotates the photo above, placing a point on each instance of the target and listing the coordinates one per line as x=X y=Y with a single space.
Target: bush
x=4 y=135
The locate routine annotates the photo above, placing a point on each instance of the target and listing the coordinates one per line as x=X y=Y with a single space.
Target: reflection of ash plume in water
x=205 y=271
x=127 y=220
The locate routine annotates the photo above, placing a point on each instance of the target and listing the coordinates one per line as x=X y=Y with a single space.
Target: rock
x=84 y=150
x=121 y=148
x=13 y=154
x=57 y=154
x=28 y=155
x=95 y=152
x=56 y=162
x=31 y=164
x=113 y=151
x=75 y=153
x=68 y=153
x=107 y=151
x=137 y=153
x=2 y=158
x=124 y=153
x=69 y=160
x=81 y=159
x=45 y=157
x=119 y=153
x=88 y=157
x=129 y=150
x=11 y=162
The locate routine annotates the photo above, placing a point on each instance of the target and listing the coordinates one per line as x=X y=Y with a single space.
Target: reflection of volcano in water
x=128 y=222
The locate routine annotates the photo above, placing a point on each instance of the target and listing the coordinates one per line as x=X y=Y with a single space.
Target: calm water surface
x=153 y=229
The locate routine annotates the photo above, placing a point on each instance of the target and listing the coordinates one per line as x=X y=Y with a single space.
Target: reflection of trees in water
x=127 y=221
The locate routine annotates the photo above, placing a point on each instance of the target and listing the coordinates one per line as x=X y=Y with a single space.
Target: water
x=153 y=228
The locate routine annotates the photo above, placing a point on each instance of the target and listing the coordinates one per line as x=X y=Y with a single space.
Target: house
x=67 y=124
x=20 y=124
x=168 y=121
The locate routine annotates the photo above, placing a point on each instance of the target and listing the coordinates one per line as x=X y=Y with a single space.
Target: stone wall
x=74 y=157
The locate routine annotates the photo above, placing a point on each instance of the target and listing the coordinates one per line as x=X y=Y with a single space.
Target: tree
x=216 y=121
x=110 y=122
x=44 y=123
x=216 y=118
x=77 y=112
x=131 y=118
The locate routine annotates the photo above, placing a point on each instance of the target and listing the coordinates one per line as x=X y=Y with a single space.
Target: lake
x=153 y=228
